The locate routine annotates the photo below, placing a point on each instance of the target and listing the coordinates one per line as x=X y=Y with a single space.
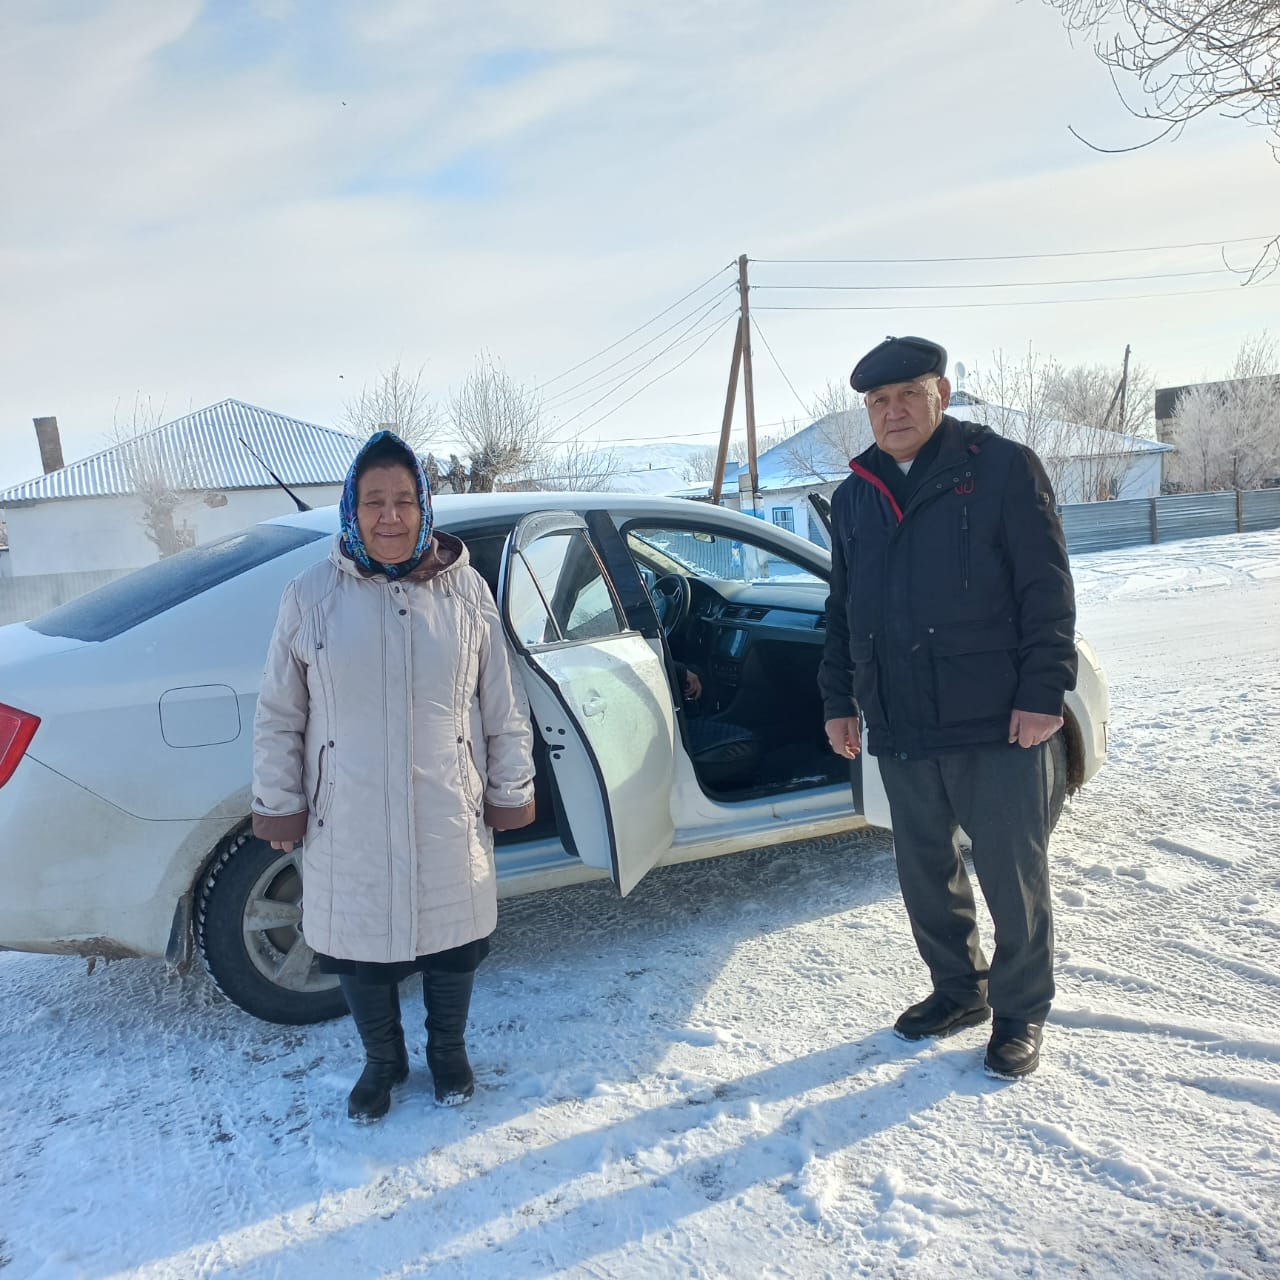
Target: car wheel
x=250 y=912
x=1058 y=782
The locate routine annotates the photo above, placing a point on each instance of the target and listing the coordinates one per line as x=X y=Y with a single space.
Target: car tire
x=250 y=909
x=1058 y=763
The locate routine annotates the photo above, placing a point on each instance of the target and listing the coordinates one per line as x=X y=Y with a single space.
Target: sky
x=700 y=1080
x=277 y=201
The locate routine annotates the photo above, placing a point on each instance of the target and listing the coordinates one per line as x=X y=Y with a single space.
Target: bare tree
x=1190 y=57
x=1228 y=433
x=499 y=424
x=577 y=466
x=835 y=397
x=397 y=401
x=164 y=476
x=701 y=465
x=823 y=450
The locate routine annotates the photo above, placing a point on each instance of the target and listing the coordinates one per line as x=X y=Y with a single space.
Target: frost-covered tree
x=164 y=478
x=1228 y=433
x=1034 y=400
x=499 y=424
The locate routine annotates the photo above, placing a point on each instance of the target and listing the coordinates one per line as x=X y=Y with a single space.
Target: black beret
x=898 y=360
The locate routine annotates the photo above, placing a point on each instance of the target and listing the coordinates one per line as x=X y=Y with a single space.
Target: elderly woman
x=391 y=738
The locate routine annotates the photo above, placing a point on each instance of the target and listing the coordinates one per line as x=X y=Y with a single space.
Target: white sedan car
x=126 y=722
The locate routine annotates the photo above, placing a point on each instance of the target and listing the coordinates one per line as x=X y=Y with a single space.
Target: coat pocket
x=866 y=679
x=975 y=673
x=472 y=778
x=321 y=789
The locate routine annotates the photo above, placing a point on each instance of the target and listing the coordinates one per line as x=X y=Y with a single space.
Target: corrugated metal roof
x=203 y=452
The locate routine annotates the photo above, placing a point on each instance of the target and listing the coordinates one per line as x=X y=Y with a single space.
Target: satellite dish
x=961 y=372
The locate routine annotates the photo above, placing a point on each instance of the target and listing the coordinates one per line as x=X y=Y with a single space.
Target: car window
x=559 y=592
x=151 y=591
x=706 y=555
x=526 y=610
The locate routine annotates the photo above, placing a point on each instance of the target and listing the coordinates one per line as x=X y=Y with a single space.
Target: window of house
x=784 y=518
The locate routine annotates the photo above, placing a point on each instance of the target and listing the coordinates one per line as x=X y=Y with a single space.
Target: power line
x=684 y=337
x=718 y=324
x=573 y=369
x=756 y=325
x=1028 y=302
x=698 y=313
x=1023 y=257
x=1001 y=284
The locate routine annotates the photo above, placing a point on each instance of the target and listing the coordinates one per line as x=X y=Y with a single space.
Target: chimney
x=50 y=444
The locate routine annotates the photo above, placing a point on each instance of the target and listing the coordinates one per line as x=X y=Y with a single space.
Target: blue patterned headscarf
x=384 y=447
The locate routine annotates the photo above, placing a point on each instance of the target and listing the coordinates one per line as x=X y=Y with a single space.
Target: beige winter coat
x=391 y=735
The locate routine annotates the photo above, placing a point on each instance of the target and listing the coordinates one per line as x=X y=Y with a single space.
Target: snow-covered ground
x=700 y=1081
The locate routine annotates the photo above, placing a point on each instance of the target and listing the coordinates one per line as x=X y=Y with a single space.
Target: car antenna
x=297 y=501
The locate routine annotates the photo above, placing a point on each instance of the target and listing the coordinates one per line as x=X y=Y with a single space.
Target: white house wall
x=74 y=535
x=1142 y=477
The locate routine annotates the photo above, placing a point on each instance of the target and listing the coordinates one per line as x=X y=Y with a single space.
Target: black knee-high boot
x=375 y=1008
x=448 y=999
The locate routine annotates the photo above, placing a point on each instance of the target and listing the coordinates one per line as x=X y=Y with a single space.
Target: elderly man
x=951 y=628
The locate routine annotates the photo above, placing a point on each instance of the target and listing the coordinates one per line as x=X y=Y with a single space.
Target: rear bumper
x=83 y=877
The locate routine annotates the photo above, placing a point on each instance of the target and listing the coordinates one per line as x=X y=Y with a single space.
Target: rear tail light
x=17 y=728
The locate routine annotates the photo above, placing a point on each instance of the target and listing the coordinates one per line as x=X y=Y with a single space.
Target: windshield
x=706 y=555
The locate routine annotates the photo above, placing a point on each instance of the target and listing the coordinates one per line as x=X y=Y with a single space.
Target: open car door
x=869 y=798
x=598 y=692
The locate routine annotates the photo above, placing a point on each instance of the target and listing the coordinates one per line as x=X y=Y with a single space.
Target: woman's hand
x=285 y=846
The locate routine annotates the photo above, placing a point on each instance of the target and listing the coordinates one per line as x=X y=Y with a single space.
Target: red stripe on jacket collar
x=873 y=479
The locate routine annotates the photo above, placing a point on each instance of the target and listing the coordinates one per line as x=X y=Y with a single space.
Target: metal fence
x=1102 y=526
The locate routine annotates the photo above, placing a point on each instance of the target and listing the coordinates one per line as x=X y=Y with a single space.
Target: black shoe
x=939 y=1014
x=1014 y=1049
x=371 y=1098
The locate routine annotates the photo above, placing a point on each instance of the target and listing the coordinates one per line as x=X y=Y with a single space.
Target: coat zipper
x=964 y=545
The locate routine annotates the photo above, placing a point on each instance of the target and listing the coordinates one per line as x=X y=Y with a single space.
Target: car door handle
x=594 y=706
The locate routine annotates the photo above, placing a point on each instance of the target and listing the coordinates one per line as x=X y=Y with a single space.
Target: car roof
x=477 y=508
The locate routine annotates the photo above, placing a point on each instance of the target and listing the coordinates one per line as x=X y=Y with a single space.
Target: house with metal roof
x=212 y=468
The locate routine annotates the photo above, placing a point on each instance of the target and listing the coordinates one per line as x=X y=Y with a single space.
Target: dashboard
x=727 y=626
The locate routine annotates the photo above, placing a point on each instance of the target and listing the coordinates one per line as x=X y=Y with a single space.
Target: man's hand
x=1030 y=728
x=845 y=736
x=285 y=846
x=692 y=686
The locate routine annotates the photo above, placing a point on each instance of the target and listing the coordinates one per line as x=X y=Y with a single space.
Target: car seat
x=724 y=755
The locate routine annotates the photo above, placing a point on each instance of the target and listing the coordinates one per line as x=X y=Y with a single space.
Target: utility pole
x=747 y=388
x=1124 y=386
x=1118 y=396
x=741 y=361
x=722 y=453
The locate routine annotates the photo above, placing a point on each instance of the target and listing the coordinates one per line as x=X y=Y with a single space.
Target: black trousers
x=999 y=794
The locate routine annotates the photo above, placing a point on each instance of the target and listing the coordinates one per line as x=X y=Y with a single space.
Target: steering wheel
x=672 y=598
